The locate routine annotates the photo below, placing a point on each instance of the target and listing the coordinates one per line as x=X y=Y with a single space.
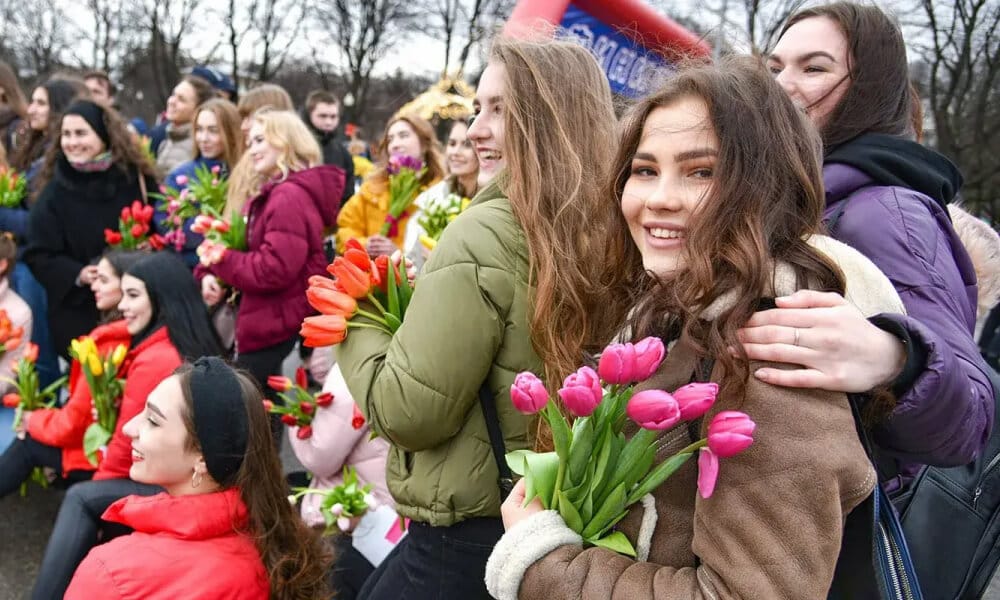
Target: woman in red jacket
x=53 y=437
x=167 y=322
x=295 y=202
x=223 y=527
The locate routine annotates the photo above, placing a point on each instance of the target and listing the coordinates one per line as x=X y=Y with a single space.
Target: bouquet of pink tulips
x=595 y=474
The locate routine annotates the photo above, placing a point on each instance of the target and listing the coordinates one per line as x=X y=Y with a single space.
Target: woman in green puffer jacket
x=504 y=291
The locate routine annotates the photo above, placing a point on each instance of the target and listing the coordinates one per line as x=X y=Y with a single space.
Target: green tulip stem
x=372 y=316
x=367 y=326
x=695 y=446
x=377 y=304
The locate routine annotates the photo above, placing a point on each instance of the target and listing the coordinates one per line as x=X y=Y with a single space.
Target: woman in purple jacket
x=844 y=64
x=295 y=201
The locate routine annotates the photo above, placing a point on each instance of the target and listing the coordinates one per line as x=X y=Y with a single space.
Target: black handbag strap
x=506 y=480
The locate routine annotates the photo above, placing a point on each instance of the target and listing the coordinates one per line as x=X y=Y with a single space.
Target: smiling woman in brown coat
x=720 y=189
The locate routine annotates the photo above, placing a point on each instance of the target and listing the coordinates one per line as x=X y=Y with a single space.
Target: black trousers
x=350 y=569
x=24 y=455
x=437 y=563
x=263 y=363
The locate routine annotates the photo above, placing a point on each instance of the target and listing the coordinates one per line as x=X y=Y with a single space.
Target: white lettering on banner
x=638 y=79
x=621 y=64
x=581 y=34
x=604 y=49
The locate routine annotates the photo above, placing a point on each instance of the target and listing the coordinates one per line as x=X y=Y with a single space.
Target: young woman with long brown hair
x=514 y=259
x=718 y=183
x=223 y=520
x=13 y=110
x=362 y=216
x=844 y=65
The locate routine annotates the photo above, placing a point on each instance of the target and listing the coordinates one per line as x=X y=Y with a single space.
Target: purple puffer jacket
x=946 y=416
x=285 y=224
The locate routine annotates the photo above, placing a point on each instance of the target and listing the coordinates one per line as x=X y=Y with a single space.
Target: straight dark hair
x=177 y=305
x=878 y=97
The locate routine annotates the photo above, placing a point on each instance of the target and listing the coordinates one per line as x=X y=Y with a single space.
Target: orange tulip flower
x=31 y=352
x=359 y=258
x=356 y=282
x=324 y=330
x=331 y=302
x=318 y=281
x=11 y=400
x=12 y=343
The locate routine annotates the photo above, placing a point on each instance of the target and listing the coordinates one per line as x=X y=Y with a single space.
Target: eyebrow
x=807 y=56
x=683 y=156
x=152 y=407
x=490 y=100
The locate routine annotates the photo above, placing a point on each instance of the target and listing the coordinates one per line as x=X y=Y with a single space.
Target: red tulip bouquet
x=404 y=183
x=595 y=473
x=343 y=505
x=13 y=187
x=299 y=405
x=134 y=227
x=384 y=282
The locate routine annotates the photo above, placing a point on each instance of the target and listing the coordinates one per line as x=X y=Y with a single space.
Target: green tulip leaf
x=580 y=449
x=95 y=437
x=612 y=506
x=569 y=513
x=561 y=435
x=616 y=542
x=515 y=460
x=540 y=477
x=658 y=475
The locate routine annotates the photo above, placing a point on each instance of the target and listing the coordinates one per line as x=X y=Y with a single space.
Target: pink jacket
x=334 y=445
x=20 y=316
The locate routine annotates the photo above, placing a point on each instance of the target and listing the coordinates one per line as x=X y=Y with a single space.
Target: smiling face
x=182 y=103
x=487 y=130
x=161 y=453
x=811 y=63
x=135 y=305
x=208 y=134
x=670 y=175
x=78 y=140
x=106 y=286
x=401 y=139
x=262 y=153
x=38 y=110
x=461 y=156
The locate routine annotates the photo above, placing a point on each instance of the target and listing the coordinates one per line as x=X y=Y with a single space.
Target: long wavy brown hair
x=126 y=154
x=295 y=559
x=558 y=121
x=61 y=91
x=766 y=198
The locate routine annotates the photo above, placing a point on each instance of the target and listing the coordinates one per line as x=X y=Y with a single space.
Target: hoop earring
x=196 y=479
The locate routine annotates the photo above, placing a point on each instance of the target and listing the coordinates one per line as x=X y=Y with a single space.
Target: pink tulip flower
x=730 y=433
x=528 y=393
x=182 y=180
x=653 y=409
x=708 y=472
x=695 y=399
x=581 y=392
x=649 y=353
x=617 y=364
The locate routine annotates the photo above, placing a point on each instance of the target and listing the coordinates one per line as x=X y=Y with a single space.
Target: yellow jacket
x=363 y=215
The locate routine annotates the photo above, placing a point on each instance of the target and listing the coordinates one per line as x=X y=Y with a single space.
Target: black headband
x=220 y=418
x=93 y=115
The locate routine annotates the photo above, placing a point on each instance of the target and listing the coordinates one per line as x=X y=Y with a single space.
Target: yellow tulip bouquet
x=101 y=373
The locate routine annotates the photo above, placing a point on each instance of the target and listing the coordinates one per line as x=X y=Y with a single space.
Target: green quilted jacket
x=467 y=324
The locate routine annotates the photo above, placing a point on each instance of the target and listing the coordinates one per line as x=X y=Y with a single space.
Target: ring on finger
x=795 y=341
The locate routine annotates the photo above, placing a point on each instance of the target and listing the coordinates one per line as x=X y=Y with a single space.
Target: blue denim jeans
x=437 y=563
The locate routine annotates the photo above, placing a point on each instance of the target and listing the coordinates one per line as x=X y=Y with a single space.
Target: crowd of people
x=774 y=220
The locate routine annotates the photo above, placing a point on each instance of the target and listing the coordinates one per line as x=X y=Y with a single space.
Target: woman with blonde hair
x=364 y=214
x=242 y=176
x=515 y=259
x=294 y=199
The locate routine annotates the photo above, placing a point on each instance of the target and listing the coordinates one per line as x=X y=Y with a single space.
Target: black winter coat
x=66 y=233
x=334 y=153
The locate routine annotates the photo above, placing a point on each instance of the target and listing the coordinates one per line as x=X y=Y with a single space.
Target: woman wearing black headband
x=168 y=323
x=86 y=180
x=223 y=527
